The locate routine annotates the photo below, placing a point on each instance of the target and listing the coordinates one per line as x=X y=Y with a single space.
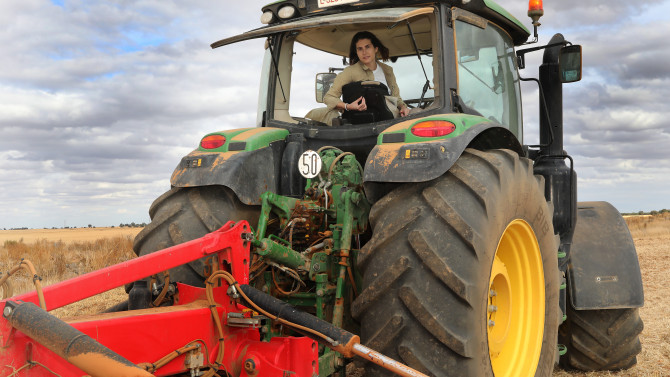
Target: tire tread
x=422 y=313
x=598 y=340
x=421 y=222
x=183 y=214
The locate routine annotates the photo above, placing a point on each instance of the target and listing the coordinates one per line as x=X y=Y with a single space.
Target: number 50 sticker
x=309 y=164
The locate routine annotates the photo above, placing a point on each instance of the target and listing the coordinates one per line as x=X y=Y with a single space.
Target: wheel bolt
x=492 y=293
x=491 y=323
x=493 y=308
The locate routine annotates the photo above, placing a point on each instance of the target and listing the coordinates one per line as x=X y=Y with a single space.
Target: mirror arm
x=521 y=54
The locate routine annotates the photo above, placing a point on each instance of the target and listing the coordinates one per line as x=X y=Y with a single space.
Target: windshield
x=302 y=54
x=307 y=62
x=488 y=80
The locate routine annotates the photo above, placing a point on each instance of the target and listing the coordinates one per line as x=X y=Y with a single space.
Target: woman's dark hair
x=353 y=57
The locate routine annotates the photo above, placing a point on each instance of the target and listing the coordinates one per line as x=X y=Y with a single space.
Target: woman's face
x=366 y=51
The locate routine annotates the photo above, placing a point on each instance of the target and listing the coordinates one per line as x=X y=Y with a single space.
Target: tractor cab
x=308 y=44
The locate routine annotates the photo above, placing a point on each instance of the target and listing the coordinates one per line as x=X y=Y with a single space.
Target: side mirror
x=323 y=83
x=570 y=63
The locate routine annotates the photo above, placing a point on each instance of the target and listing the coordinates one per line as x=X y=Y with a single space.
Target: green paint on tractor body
x=463 y=122
x=247 y=139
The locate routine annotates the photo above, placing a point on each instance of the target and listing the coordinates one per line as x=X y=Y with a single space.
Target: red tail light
x=433 y=128
x=212 y=141
x=534 y=5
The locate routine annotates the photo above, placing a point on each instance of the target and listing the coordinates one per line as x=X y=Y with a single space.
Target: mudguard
x=603 y=272
x=401 y=157
x=248 y=163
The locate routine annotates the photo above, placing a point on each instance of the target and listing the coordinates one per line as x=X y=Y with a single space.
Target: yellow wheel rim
x=515 y=308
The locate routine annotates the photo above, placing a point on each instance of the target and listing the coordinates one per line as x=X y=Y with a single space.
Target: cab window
x=488 y=79
x=305 y=53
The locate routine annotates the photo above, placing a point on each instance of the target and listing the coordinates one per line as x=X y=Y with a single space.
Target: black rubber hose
x=287 y=312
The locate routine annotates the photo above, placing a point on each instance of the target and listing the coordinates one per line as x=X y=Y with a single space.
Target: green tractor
x=439 y=237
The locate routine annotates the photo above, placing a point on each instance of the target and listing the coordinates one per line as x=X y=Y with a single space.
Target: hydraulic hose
x=334 y=337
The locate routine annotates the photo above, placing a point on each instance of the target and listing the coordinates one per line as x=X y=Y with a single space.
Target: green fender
x=401 y=157
x=248 y=163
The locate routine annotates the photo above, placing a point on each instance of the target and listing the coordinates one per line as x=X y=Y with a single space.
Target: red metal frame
x=149 y=334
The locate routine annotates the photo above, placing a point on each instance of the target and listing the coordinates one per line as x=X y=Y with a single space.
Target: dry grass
x=647 y=226
x=57 y=260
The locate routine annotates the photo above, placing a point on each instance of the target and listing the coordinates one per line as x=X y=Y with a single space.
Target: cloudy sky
x=100 y=99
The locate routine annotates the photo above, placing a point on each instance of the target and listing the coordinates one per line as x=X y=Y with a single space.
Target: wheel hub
x=516 y=303
x=498 y=308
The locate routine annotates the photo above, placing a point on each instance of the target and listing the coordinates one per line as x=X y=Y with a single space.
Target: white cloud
x=99 y=101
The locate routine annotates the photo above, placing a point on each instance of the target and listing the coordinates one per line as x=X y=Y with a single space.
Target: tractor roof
x=306 y=14
x=488 y=9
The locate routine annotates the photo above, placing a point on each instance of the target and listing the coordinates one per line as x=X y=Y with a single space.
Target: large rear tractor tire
x=606 y=339
x=460 y=277
x=183 y=214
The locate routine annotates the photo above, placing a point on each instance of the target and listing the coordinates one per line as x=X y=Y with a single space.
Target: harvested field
x=60 y=254
x=66 y=235
x=59 y=257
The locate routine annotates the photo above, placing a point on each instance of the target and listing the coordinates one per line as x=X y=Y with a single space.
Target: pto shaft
x=385 y=361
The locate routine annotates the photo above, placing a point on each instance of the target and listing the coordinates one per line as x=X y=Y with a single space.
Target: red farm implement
x=206 y=332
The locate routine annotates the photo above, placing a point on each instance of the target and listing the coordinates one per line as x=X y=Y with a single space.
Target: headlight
x=286 y=12
x=267 y=17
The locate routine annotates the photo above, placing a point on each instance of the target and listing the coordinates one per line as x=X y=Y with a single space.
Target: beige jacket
x=360 y=72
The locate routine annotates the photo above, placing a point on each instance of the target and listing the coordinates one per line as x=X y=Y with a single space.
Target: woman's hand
x=404 y=111
x=357 y=105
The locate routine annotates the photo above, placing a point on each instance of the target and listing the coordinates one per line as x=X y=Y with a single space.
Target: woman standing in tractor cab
x=364 y=65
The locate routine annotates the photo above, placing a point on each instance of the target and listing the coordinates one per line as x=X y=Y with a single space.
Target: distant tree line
x=132 y=225
x=652 y=213
x=122 y=225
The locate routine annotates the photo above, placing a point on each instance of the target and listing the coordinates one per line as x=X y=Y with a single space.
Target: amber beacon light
x=535 y=11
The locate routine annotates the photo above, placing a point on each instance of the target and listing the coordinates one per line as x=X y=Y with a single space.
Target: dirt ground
x=65 y=235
